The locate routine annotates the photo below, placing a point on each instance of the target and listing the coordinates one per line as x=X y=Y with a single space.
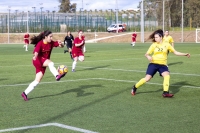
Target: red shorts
x=38 y=63
x=77 y=53
x=133 y=40
x=26 y=41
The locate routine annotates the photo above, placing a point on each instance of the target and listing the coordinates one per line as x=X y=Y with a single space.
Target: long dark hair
x=36 y=39
x=158 y=32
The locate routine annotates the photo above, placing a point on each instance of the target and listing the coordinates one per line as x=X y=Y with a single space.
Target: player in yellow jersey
x=157 y=56
x=168 y=38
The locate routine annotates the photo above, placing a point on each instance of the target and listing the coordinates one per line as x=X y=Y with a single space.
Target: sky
x=51 y=5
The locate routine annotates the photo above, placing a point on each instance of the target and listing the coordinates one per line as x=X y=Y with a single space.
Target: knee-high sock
x=74 y=65
x=31 y=87
x=141 y=82
x=166 y=83
x=26 y=47
x=53 y=69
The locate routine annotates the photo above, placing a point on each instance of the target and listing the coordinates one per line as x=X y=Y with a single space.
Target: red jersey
x=134 y=35
x=78 y=41
x=26 y=36
x=44 y=50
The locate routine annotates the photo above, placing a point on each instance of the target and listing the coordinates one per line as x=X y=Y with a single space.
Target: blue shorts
x=153 y=68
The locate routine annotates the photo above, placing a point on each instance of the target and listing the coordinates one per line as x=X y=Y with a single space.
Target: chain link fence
x=35 y=22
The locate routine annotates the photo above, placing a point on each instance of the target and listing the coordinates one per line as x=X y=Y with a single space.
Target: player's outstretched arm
x=181 y=54
x=61 y=44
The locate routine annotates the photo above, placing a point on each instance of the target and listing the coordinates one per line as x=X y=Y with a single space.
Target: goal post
x=197 y=35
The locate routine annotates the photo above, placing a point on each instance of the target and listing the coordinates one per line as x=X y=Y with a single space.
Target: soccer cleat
x=65 y=51
x=133 y=91
x=58 y=77
x=73 y=70
x=24 y=96
x=167 y=95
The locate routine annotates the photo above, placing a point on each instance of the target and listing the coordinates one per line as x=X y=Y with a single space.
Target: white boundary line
x=102 y=38
x=49 y=124
x=118 y=80
x=140 y=71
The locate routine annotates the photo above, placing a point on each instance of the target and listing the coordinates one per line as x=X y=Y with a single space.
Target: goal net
x=197 y=35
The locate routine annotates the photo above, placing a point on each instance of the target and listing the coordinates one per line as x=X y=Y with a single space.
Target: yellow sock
x=166 y=83
x=141 y=82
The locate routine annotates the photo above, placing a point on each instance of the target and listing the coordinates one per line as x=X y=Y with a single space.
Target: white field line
x=48 y=124
x=140 y=71
x=97 y=39
x=106 y=79
x=111 y=68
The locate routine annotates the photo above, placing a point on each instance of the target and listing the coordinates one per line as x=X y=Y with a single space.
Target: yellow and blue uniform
x=168 y=39
x=159 y=52
x=159 y=57
x=158 y=64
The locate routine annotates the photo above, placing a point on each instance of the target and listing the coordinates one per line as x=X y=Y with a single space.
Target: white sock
x=74 y=65
x=26 y=47
x=53 y=69
x=31 y=87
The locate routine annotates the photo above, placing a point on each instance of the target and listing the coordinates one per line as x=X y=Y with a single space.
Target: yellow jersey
x=168 y=39
x=159 y=51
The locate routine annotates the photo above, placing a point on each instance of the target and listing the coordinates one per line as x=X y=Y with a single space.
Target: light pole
x=163 y=15
x=41 y=16
x=182 y=23
x=27 y=23
x=9 y=24
x=117 y=16
x=35 y=18
x=16 y=19
x=110 y=16
x=142 y=22
x=47 y=18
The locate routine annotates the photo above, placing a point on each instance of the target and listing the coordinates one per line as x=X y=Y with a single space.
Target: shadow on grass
x=80 y=91
x=3 y=79
x=93 y=68
x=175 y=63
x=54 y=118
x=174 y=88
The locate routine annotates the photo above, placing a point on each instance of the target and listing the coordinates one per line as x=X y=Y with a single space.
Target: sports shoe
x=65 y=51
x=58 y=77
x=133 y=91
x=73 y=70
x=167 y=95
x=24 y=96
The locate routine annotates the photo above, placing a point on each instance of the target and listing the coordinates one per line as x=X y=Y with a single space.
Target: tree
x=67 y=6
x=193 y=12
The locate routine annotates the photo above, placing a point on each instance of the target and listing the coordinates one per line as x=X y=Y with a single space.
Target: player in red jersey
x=77 y=49
x=134 y=35
x=26 y=41
x=41 y=59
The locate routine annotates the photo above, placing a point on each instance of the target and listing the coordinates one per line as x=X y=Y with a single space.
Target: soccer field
x=97 y=98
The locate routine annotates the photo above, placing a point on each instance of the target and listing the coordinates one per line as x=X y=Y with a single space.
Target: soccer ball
x=62 y=69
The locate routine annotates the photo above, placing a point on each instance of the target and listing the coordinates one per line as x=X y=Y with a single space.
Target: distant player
x=134 y=35
x=167 y=38
x=69 y=40
x=77 y=49
x=41 y=59
x=26 y=41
